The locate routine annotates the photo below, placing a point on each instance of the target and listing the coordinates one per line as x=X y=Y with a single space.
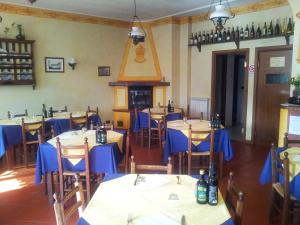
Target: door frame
x=244 y=51
x=257 y=52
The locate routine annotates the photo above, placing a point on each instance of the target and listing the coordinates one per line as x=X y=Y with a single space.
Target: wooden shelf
x=16 y=62
x=237 y=42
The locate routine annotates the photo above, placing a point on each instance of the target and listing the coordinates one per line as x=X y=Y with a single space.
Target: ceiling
x=124 y=9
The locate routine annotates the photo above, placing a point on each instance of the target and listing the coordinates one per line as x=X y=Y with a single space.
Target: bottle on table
x=103 y=135
x=44 y=111
x=217 y=121
x=50 y=113
x=201 y=189
x=212 y=185
x=172 y=107
x=98 y=134
x=169 y=106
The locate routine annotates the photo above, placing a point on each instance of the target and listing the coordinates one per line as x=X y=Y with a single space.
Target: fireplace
x=140 y=97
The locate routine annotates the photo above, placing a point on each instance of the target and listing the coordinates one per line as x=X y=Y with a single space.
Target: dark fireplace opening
x=140 y=97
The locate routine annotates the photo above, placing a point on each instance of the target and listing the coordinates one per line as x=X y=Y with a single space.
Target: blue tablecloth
x=103 y=159
x=142 y=120
x=12 y=134
x=177 y=142
x=266 y=176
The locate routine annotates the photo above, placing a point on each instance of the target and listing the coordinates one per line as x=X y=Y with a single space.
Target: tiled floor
x=28 y=204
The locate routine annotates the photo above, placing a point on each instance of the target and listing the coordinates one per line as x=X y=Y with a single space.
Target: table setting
x=294 y=164
x=154 y=199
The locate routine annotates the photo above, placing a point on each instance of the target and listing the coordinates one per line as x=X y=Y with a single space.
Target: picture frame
x=103 y=71
x=54 y=65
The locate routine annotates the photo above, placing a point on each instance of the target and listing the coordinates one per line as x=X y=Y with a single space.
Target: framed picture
x=104 y=71
x=54 y=65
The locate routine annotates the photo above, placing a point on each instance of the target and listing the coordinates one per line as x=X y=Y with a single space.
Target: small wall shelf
x=16 y=62
x=237 y=42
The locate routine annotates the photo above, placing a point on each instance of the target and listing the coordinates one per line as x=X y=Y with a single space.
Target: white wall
x=92 y=45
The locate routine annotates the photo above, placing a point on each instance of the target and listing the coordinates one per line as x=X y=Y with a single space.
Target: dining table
x=142 y=120
x=177 y=139
x=294 y=164
x=103 y=158
x=11 y=130
x=152 y=199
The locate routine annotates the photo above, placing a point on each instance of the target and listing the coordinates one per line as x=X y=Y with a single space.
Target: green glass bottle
x=212 y=185
x=202 y=189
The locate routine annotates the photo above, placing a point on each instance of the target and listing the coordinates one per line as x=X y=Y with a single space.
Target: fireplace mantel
x=139 y=83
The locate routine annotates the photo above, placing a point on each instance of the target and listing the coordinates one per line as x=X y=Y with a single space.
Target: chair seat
x=278 y=187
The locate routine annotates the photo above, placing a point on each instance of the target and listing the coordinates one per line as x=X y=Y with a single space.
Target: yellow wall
x=201 y=68
x=92 y=45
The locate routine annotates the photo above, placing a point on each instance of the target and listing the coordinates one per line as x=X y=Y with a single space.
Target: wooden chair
x=66 y=175
x=151 y=168
x=125 y=161
x=17 y=115
x=62 y=212
x=208 y=155
x=32 y=128
x=90 y=110
x=281 y=199
x=138 y=133
x=156 y=133
x=78 y=122
x=288 y=142
x=234 y=201
x=189 y=117
x=65 y=109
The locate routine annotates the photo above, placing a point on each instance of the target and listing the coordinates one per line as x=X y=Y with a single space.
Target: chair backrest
x=65 y=109
x=150 y=168
x=17 y=115
x=73 y=152
x=158 y=116
x=234 y=200
x=63 y=209
x=37 y=127
x=78 y=122
x=288 y=142
x=199 y=136
x=90 y=110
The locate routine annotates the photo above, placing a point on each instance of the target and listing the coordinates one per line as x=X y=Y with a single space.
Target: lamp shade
x=220 y=12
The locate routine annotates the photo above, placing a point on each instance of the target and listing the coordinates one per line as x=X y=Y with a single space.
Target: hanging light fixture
x=137 y=33
x=220 y=15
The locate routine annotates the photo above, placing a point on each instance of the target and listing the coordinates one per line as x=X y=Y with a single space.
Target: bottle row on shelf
x=252 y=31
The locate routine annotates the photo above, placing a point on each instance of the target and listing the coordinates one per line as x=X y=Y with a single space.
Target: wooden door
x=274 y=70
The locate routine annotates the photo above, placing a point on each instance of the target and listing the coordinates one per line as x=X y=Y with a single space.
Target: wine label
x=201 y=194
x=212 y=195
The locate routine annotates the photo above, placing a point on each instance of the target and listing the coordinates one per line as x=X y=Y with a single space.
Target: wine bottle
x=217 y=121
x=265 y=30
x=103 y=135
x=211 y=37
x=212 y=185
x=202 y=189
x=242 y=34
x=195 y=39
x=228 y=35
x=246 y=32
x=252 y=31
x=207 y=38
x=192 y=39
x=215 y=36
x=169 y=106
x=277 y=28
x=98 y=135
x=219 y=36
x=50 y=113
x=270 y=30
x=232 y=34
x=289 y=29
x=283 y=26
x=200 y=37
x=258 y=32
x=224 y=35
x=44 y=111
x=172 y=107
x=237 y=34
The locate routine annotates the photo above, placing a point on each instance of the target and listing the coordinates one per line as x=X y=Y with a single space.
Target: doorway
x=229 y=90
x=272 y=89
